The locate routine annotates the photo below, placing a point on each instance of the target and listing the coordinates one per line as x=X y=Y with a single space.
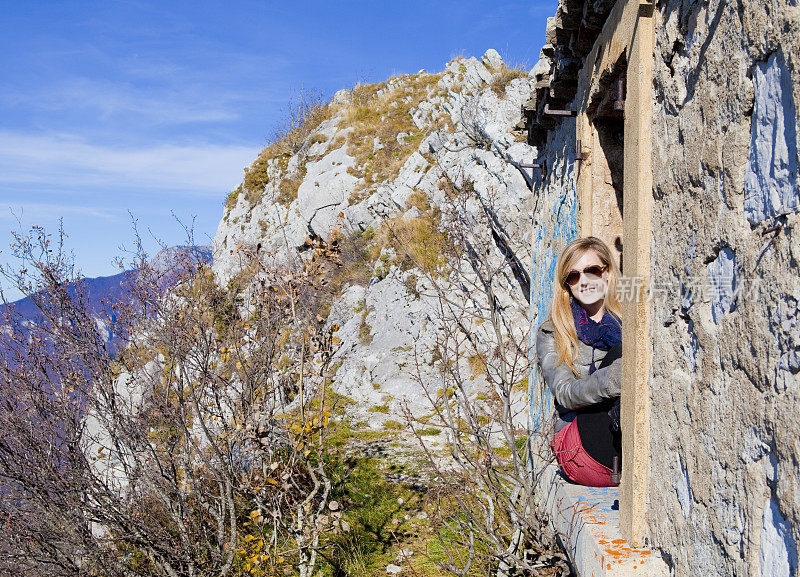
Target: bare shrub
x=305 y=112
x=199 y=449
x=483 y=499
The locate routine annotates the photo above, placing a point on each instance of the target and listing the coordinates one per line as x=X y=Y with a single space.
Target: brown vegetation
x=200 y=449
x=305 y=112
x=378 y=112
x=503 y=78
x=482 y=505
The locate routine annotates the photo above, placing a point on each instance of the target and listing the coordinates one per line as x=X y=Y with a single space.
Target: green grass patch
x=233 y=197
x=521 y=385
x=385 y=518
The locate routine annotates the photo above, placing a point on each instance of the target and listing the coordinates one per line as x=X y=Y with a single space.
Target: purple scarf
x=603 y=335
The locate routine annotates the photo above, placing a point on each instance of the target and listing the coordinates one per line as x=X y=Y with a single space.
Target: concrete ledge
x=587 y=521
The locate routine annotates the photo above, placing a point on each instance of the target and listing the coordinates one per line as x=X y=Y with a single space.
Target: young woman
x=579 y=350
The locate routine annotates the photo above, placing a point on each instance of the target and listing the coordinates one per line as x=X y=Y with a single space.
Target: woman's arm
x=570 y=391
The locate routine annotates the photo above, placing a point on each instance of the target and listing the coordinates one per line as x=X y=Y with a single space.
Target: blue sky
x=113 y=108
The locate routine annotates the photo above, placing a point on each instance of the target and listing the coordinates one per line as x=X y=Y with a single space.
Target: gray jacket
x=574 y=392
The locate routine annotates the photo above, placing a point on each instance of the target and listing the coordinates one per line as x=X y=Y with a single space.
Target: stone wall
x=724 y=497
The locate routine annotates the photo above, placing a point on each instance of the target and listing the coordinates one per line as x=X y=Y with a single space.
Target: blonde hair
x=566 y=336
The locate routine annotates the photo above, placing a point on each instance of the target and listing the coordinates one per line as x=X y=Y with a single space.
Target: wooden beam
x=637 y=346
x=628 y=32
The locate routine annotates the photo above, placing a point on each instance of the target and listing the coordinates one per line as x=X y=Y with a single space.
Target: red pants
x=575 y=462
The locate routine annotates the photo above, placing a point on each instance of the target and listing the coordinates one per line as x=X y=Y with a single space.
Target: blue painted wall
x=552 y=231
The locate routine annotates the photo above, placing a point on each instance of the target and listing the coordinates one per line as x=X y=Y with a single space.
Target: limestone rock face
x=380 y=155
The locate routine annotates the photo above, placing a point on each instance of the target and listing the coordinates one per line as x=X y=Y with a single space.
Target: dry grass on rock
x=503 y=78
x=383 y=132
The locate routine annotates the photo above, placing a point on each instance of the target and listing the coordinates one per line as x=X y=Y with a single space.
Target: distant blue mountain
x=168 y=258
x=101 y=292
x=109 y=288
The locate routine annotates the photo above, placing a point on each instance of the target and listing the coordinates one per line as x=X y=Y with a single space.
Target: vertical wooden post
x=637 y=226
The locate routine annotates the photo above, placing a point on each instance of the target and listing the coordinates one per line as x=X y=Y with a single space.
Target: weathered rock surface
x=389 y=327
x=724 y=496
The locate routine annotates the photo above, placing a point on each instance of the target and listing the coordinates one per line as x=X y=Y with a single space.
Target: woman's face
x=589 y=289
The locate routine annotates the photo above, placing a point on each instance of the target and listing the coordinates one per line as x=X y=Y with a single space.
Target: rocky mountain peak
x=375 y=163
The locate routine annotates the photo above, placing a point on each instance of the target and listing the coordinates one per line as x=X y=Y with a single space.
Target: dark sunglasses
x=593 y=272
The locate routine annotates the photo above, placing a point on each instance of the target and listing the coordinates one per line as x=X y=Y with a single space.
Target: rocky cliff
x=376 y=158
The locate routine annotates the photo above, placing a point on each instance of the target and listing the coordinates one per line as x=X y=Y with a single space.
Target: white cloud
x=155 y=91
x=61 y=162
x=105 y=99
x=40 y=212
